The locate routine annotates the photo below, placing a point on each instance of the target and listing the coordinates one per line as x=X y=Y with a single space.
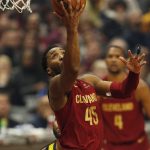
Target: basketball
x=57 y=6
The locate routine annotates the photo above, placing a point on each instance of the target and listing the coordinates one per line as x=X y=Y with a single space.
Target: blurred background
x=24 y=38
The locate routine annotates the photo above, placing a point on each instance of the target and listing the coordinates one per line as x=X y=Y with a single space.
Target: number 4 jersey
x=80 y=119
x=124 y=122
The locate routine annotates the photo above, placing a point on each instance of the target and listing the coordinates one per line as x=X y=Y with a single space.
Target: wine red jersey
x=123 y=120
x=80 y=119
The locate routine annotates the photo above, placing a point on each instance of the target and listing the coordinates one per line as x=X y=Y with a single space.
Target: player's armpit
x=61 y=84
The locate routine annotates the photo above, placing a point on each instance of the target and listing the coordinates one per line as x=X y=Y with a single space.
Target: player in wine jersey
x=123 y=118
x=74 y=99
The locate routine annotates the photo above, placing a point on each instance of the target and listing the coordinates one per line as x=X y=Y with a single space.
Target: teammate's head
x=114 y=65
x=52 y=60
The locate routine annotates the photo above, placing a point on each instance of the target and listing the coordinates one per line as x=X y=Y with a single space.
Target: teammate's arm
x=127 y=86
x=143 y=94
x=117 y=90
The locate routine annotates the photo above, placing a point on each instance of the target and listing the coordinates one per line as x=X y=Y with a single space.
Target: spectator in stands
x=33 y=23
x=6 y=82
x=28 y=76
x=99 y=68
x=10 y=45
x=5 y=71
x=5 y=108
x=44 y=117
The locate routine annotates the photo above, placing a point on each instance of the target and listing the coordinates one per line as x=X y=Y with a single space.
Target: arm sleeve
x=125 y=88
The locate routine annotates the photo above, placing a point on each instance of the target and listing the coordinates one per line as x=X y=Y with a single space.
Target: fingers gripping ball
x=56 y=4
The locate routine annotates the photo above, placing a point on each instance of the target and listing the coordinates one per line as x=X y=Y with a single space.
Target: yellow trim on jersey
x=51 y=146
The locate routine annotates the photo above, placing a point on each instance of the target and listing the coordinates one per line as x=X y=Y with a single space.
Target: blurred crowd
x=24 y=38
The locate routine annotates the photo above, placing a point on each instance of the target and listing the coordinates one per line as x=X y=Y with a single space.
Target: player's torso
x=123 y=119
x=80 y=120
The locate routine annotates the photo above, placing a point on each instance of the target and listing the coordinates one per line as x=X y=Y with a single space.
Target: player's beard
x=57 y=70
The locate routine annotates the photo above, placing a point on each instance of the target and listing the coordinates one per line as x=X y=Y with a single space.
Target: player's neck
x=116 y=77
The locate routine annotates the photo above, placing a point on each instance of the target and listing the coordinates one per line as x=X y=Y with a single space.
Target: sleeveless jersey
x=123 y=119
x=80 y=119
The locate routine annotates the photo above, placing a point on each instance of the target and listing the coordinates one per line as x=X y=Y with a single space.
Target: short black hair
x=44 y=57
x=124 y=51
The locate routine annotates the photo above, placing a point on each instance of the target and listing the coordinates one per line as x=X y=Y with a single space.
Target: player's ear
x=49 y=71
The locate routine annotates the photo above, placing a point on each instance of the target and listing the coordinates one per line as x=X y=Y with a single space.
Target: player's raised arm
x=63 y=66
x=127 y=86
x=71 y=60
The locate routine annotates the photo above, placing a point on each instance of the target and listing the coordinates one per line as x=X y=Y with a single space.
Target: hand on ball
x=69 y=11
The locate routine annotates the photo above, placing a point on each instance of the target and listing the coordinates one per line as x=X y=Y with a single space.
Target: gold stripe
x=51 y=146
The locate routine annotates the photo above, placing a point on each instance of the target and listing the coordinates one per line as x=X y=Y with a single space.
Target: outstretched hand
x=135 y=62
x=71 y=15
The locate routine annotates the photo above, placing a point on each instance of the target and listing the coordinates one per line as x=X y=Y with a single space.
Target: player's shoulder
x=142 y=86
x=89 y=78
x=142 y=83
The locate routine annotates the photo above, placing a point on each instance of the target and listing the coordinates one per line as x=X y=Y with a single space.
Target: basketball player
x=123 y=118
x=74 y=100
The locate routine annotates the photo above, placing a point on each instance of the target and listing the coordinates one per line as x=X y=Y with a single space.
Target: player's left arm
x=127 y=86
x=143 y=95
x=111 y=89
